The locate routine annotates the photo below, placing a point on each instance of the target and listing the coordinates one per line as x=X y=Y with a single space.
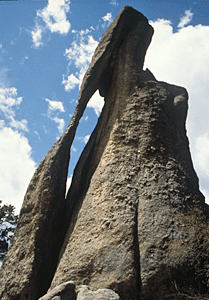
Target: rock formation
x=134 y=224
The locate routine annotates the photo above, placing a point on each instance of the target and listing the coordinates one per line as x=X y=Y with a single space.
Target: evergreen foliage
x=8 y=222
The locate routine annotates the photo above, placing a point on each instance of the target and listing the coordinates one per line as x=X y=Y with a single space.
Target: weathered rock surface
x=131 y=228
x=104 y=294
x=105 y=254
x=65 y=291
x=32 y=258
x=134 y=220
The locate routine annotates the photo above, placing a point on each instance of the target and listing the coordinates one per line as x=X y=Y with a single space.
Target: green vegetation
x=8 y=222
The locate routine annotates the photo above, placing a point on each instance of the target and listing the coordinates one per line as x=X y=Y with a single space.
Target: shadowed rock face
x=133 y=221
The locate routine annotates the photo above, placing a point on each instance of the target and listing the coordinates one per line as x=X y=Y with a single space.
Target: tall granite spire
x=134 y=224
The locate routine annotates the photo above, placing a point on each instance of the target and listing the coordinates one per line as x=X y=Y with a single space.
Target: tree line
x=8 y=222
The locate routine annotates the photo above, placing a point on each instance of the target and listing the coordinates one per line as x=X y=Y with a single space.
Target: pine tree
x=8 y=222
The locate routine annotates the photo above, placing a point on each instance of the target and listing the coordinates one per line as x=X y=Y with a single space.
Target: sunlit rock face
x=134 y=224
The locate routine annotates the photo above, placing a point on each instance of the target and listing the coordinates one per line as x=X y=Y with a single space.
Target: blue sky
x=45 y=49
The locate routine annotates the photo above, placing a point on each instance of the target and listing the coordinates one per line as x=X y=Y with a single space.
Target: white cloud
x=54 y=108
x=80 y=54
x=2 y=124
x=8 y=99
x=54 y=17
x=61 y=124
x=23 y=60
x=37 y=134
x=17 y=166
x=8 y=102
x=202 y=154
x=74 y=149
x=96 y=102
x=201 y=157
x=83 y=139
x=107 y=17
x=107 y=20
x=71 y=82
x=68 y=183
x=86 y=138
x=19 y=125
x=81 y=51
x=114 y=2
x=186 y=19
x=37 y=35
x=55 y=105
x=4 y=82
x=182 y=58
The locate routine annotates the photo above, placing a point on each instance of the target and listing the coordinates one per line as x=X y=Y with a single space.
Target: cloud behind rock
x=17 y=166
x=182 y=58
